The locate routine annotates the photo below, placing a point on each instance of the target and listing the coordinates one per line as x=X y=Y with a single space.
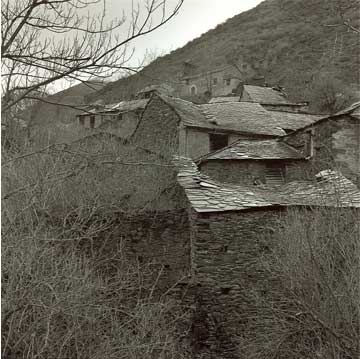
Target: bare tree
x=345 y=11
x=44 y=41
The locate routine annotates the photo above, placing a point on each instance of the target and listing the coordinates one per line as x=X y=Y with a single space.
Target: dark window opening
x=193 y=91
x=227 y=82
x=225 y=290
x=187 y=81
x=214 y=80
x=275 y=174
x=147 y=95
x=92 y=121
x=218 y=142
x=120 y=116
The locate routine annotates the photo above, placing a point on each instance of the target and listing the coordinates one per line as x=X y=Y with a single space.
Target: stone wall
x=250 y=171
x=123 y=127
x=336 y=144
x=157 y=130
x=227 y=253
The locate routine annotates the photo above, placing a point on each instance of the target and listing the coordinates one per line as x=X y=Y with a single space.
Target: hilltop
x=288 y=40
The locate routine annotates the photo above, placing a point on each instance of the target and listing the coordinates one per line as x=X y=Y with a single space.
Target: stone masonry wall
x=336 y=145
x=248 y=172
x=158 y=240
x=227 y=251
x=158 y=129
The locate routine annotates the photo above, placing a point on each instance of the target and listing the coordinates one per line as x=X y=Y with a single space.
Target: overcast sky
x=194 y=18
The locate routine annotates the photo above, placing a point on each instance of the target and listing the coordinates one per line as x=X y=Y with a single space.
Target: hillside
x=288 y=39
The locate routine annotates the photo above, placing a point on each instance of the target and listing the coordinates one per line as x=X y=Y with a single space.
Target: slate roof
x=352 y=111
x=162 y=88
x=126 y=106
x=240 y=117
x=225 y=99
x=294 y=121
x=265 y=95
x=254 y=150
x=207 y=195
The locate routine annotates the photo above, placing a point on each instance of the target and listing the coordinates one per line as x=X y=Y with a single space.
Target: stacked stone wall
x=249 y=172
x=336 y=145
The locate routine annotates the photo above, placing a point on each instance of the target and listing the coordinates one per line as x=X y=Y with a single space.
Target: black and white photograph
x=180 y=179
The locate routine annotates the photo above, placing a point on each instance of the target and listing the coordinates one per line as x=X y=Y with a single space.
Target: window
x=275 y=174
x=215 y=80
x=193 y=90
x=81 y=120
x=218 y=142
x=92 y=121
x=227 y=82
x=120 y=116
x=187 y=81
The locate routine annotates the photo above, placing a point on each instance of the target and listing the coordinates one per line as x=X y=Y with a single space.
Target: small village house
x=332 y=142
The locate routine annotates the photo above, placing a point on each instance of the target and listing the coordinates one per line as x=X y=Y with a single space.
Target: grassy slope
x=289 y=34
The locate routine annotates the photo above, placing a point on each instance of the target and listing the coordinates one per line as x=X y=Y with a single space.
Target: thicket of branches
x=62 y=295
x=313 y=308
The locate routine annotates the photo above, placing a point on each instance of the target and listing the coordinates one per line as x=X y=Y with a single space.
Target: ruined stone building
x=118 y=118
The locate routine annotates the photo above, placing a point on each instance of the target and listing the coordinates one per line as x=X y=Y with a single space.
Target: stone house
x=271 y=98
x=119 y=118
x=221 y=81
x=332 y=142
x=175 y=126
x=256 y=162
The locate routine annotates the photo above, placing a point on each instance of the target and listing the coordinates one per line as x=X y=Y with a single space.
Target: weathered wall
x=158 y=238
x=227 y=251
x=248 y=172
x=216 y=82
x=197 y=143
x=336 y=145
x=158 y=242
x=123 y=127
x=157 y=130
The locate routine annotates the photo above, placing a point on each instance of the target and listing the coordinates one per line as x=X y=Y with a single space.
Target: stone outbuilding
x=256 y=162
x=332 y=142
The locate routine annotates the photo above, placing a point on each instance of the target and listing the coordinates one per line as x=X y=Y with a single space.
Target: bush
x=313 y=310
x=60 y=297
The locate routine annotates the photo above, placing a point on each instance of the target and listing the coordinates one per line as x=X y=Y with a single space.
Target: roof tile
x=331 y=190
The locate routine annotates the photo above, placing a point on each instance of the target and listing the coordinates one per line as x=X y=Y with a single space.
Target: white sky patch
x=195 y=18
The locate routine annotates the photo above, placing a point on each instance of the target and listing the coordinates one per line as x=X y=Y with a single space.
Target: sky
x=194 y=18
